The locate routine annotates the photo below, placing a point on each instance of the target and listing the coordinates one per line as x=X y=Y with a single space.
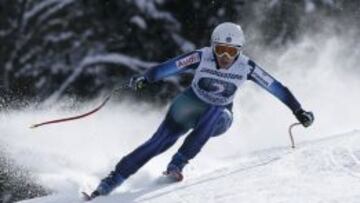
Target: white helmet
x=228 y=33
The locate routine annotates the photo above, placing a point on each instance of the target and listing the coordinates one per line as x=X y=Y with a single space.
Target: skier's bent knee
x=224 y=122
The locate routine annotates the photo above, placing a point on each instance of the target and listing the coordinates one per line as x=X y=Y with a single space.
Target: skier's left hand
x=306 y=118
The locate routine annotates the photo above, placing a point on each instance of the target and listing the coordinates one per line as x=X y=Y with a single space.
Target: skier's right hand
x=137 y=82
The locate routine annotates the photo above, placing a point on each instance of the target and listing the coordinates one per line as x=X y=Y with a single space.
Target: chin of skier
x=205 y=108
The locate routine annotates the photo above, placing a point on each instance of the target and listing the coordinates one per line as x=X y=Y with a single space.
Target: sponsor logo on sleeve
x=188 y=60
x=262 y=77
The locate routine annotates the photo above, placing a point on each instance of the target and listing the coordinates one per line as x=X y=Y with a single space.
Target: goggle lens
x=221 y=49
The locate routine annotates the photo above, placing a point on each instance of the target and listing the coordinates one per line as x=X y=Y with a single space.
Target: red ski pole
x=81 y=115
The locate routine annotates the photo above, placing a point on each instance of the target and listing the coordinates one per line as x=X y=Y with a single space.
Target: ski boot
x=173 y=173
x=174 y=169
x=106 y=186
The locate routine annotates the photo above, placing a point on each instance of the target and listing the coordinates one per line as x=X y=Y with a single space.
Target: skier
x=205 y=107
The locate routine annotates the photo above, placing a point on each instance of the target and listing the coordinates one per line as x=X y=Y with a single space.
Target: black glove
x=137 y=82
x=306 y=118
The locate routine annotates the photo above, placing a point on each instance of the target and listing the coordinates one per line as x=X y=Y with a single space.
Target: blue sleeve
x=174 y=66
x=266 y=81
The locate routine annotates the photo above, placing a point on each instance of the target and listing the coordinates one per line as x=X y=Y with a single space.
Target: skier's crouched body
x=204 y=109
x=186 y=112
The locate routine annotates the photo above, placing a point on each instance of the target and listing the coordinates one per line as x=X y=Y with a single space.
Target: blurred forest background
x=55 y=48
x=51 y=49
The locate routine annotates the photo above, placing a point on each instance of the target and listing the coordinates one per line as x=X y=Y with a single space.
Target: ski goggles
x=227 y=50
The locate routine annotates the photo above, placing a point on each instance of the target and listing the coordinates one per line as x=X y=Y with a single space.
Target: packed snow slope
x=327 y=170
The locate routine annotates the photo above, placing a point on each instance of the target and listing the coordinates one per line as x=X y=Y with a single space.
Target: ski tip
x=85 y=197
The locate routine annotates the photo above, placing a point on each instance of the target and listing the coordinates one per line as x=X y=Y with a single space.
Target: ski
x=86 y=197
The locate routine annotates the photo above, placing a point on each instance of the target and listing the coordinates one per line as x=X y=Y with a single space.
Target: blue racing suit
x=204 y=109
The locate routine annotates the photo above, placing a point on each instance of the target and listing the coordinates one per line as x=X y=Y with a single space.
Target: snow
x=309 y=6
x=59 y=37
x=139 y=21
x=52 y=11
x=4 y=33
x=185 y=45
x=273 y=3
x=149 y=8
x=329 y=2
x=26 y=57
x=135 y=64
x=113 y=58
x=319 y=171
x=40 y=7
